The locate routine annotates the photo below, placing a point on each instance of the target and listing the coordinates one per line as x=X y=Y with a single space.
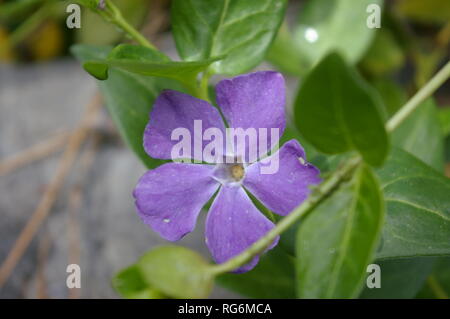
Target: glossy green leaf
x=339 y=25
x=137 y=53
x=130 y=284
x=271 y=278
x=417 y=204
x=400 y=278
x=98 y=70
x=421 y=135
x=146 y=61
x=337 y=112
x=338 y=239
x=129 y=98
x=241 y=30
x=177 y=272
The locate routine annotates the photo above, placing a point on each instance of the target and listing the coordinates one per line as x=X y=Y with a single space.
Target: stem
x=10 y=10
x=437 y=289
x=419 y=97
x=330 y=185
x=317 y=196
x=118 y=19
x=199 y=90
x=203 y=90
x=29 y=25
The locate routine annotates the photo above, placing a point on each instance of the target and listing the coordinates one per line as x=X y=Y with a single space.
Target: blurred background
x=65 y=176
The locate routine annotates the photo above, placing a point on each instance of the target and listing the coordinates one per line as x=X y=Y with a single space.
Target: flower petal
x=288 y=185
x=254 y=100
x=170 y=197
x=174 y=110
x=233 y=224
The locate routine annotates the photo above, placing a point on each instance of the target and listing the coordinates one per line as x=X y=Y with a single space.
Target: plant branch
x=419 y=97
x=328 y=187
x=437 y=289
x=318 y=194
x=48 y=198
x=29 y=25
x=113 y=13
x=34 y=153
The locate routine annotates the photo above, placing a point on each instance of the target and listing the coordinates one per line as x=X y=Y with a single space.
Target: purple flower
x=170 y=197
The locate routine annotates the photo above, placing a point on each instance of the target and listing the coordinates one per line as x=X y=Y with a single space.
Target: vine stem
x=326 y=188
x=419 y=97
x=118 y=19
x=317 y=196
x=437 y=289
x=203 y=88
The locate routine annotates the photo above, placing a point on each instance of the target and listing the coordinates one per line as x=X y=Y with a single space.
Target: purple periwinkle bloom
x=170 y=197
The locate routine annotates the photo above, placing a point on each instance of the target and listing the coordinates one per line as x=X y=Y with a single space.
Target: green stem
x=418 y=98
x=317 y=196
x=328 y=187
x=434 y=285
x=30 y=24
x=118 y=19
x=198 y=90
x=10 y=10
x=203 y=89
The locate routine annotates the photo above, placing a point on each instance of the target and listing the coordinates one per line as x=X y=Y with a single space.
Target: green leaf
x=444 y=120
x=177 y=272
x=137 y=53
x=392 y=94
x=241 y=30
x=129 y=98
x=337 y=112
x=400 y=278
x=130 y=284
x=149 y=62
x=271 y=278
x=385 y=54
x=98 y=70
x=338 y=239
x=417 y=204
x=284 y=54
x=339 y=25
x=421 y=135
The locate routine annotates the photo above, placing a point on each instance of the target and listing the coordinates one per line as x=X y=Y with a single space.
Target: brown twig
x=34 y=153
x=67 y=159
x=73 y=232
x=75 y=204
x=157 y=19
x=41 y=280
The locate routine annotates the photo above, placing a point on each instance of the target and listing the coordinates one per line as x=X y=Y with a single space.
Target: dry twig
x=75 y=205
x=34 y=153
x=40 y=214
